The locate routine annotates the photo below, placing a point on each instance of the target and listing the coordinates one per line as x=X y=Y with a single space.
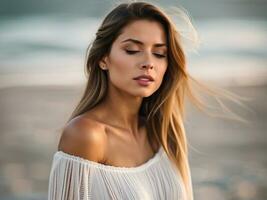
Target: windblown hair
x=164 y=109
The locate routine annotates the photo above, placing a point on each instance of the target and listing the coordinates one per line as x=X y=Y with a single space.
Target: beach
x=227 y=158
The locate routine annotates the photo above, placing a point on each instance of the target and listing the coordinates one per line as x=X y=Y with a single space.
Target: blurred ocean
x=50 y=49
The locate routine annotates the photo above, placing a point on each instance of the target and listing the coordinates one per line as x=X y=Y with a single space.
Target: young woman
x=126 y=138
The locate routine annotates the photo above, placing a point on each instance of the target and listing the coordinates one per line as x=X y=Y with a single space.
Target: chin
x=143 y=94
x=140 y=92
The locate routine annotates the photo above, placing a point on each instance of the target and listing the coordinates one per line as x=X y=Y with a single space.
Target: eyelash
x=133 y=52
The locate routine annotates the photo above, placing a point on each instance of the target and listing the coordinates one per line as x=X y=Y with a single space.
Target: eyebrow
x=139 y=42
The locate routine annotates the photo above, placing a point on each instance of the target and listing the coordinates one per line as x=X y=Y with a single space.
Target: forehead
x=147 y=31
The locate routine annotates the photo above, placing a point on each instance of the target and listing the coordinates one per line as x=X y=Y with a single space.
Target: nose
x=147 y=65
x=147 y=61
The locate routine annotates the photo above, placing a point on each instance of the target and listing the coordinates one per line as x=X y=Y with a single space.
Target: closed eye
x=159 y=55
x=156 y=54
x=131 y=52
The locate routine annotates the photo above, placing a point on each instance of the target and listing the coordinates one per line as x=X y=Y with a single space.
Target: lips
x=144 y=77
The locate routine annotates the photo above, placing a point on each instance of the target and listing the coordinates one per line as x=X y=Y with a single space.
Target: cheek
x=160 y=75
x=162 y=71
x=119 y=67
x=118 y=61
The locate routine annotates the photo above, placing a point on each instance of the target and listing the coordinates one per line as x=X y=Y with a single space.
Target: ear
x=103 y=63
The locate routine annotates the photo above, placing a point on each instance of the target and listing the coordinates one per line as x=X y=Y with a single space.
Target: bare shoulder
x=85 y=138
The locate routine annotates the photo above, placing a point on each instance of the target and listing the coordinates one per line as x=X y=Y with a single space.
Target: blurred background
x=42 y=51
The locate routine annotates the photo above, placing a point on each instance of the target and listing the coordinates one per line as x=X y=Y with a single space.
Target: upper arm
x=84 y=138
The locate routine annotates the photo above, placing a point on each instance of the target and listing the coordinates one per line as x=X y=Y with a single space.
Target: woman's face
x=139 y=50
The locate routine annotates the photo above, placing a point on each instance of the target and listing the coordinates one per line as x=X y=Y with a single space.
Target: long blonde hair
x=164 y=109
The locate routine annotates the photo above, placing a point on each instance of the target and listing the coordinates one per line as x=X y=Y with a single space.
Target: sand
x=228 y=160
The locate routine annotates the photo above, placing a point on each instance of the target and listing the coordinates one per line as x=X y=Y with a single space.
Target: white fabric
x=73 y=177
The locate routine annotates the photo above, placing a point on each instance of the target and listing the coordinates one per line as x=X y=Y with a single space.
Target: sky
x=198 y=9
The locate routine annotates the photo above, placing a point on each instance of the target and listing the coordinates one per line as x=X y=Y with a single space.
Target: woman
x=126 y=138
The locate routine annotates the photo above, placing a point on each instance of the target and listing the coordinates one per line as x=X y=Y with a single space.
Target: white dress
x=73 y=177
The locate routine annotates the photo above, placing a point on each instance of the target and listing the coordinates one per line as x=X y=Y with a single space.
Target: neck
x=122 y=110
